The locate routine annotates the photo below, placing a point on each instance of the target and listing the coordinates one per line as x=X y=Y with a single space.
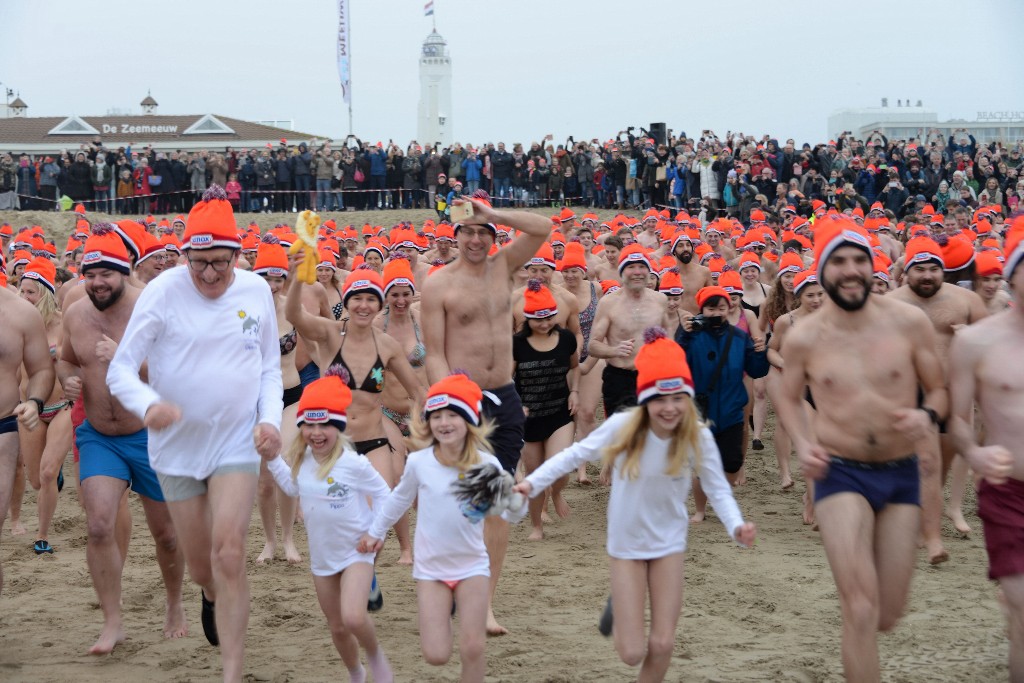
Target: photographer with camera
x=719 y=354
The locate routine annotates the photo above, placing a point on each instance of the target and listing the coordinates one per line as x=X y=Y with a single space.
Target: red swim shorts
x=1001 y=509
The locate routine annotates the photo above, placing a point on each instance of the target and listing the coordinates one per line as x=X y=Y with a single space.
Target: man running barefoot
x=22 y=342
x=113 y=442
x=980 y=371
x=863 y=358
x=467 y=316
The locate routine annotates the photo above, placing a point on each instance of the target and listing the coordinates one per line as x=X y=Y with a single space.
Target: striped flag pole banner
x=428 y=9
x=344 y=54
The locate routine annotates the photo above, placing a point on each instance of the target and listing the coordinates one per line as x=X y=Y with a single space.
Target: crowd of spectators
x=730 y=175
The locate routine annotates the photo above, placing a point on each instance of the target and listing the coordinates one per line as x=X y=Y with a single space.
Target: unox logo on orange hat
x=199 y=241
x=277 y=272
x=92 y=257
x=672 y=385
x=437 y=402
x=359 y=284
x=545 y=312
x=315 y=416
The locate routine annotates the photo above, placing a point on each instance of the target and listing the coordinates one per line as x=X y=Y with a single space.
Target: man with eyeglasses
x=467 y=315
x=213 y=406
x=154 y=260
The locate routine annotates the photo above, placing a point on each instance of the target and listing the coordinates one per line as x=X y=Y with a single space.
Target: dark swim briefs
x=9 y=424
x=895 y=482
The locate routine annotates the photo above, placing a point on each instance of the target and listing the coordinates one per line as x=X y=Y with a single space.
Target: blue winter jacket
x=472 y=168
x=703 y=350
x=378 y=159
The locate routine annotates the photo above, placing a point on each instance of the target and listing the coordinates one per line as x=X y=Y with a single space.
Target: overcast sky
x=521 y=68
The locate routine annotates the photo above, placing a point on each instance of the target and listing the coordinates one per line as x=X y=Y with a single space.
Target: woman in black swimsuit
x=365 y=353
x=328 y=274
x=755 y=293
x=272 y=265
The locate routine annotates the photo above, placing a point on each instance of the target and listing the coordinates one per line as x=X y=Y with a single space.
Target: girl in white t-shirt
x=332 y=483
x=450 y=559
x=649 y=453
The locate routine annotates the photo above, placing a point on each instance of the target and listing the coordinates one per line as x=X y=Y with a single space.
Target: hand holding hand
x=524 y=487
x=369 y=544
x=267 y=439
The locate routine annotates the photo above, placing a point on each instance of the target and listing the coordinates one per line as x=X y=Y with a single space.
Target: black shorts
x=364 y=447
x=895 y=482
x=292 y=395
x=509 y=424
x=730 y=447
x=538 y=429
x=618 y=389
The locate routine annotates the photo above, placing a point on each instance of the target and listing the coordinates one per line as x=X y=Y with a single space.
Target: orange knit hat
x=731 y=282
x=661 y=367
x=750 y=260
x=804 y=278
x=104 y=249
x=987 y=263
x=922 y=250
x=574 y=257
x=363 y=280
x=609 y=286
x=832 y=233
x=704 y=294
x=326 y=400
x=1013 y=247
x=538 y=301
x=151 y=246
x=43 y=271
x=398 y=273
x=957 y=252
x=671 y=284
x=634 y=253
x=211 y=223
x=790 y=263
x=545 y=256
x=271 y=258
x=457 y=393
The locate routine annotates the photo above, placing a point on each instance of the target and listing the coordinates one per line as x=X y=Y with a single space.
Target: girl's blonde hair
x=683 y=449
x=47 y=304
x=296 y=453
x=477 y=439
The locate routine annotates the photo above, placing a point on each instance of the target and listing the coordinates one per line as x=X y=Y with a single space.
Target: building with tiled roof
x=53 y=134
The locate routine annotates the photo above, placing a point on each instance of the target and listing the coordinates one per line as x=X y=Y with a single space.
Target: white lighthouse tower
x=435 y=109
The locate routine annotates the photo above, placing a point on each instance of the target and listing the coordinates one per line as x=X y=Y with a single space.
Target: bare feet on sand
x=936 y=553
x=493 y=627
x=545 y=518
x=108 y=640
x=536 y=535
x=405 y=557
x=17 y=528
x=581 y=475
x=808 y=509
x=562 y=508
x=787 y=483
x=956 y=516
x=269 y=550
x=697 y=518
x=175 y=625
x=291 y=553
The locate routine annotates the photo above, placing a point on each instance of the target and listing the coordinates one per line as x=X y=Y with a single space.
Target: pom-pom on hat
x=398 y=273
x=211 y=223
x=363 y=280
x=538 y=301
x=661 y=367
x=326 y=400
x=922 y=250
x=457 y=393
x=271 y=258
x=704 y=294
x=802 y=279
x=43 y=271
x=104 y=249
x=634 y=253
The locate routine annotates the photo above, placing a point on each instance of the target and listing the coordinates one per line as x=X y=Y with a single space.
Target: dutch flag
x=428 y=9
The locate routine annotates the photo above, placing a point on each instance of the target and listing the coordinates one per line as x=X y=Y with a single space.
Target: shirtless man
x=694 y=276
x=949 y=308
x=22 y=342
x=466 y=312
x=113 y=442
x=982 y=369
x=619 y=324
x=864 y=358
x=607 y=268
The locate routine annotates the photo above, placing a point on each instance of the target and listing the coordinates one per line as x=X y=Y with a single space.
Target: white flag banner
x=344 y=54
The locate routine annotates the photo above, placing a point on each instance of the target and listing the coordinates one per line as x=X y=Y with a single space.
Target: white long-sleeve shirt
x=447 y=546
x=334 y=509
x=217 y=359
x=647 y=516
